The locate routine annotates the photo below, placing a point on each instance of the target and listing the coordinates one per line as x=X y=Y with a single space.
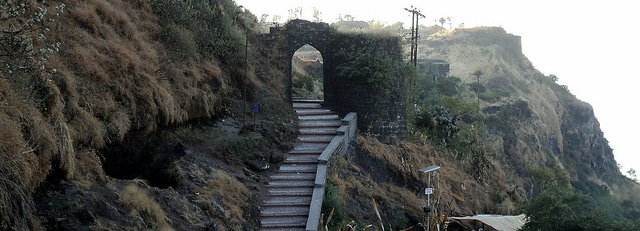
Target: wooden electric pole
x=415 y=16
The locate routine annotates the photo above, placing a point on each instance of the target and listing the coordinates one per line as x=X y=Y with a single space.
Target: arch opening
x=307 y=73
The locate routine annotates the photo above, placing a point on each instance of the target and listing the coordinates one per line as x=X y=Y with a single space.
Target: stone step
x=298 y=168
x=314 y=111
x=308 y=148
x=291 y=183
x=293 y=176
x=272 y=211
x=276 y=192
x=306 y=105
x=315 y=138
x=291 y=187
x=288 y=201
x=318 y=131
x=284 y=223
x=300 y=161
x=334 y=123
x=306 y=100
x=295 y=158
x=318 y=117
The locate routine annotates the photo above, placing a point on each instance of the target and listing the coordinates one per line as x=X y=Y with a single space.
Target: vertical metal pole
x=429 y=204
x=246 y=64
x=413 y=30
x=415 y=50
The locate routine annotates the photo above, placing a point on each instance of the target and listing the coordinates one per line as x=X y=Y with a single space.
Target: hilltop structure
x=380 y=103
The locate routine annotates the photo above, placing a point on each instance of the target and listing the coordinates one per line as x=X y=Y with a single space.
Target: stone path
x=291 y=187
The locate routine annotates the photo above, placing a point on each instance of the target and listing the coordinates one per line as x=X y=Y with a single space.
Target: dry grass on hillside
x=115 y=58
x=234 y=202
x=111 y=77
x=21 y=169
x=144 y=207
x=403 y=184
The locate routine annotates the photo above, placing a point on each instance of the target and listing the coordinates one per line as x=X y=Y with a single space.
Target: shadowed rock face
x=144 y=158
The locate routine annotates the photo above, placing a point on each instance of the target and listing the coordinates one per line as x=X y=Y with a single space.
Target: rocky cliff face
x=532 y=121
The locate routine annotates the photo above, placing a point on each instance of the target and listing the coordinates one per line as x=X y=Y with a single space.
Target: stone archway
x=381 y=111
x=307 y=73
x=301 y=32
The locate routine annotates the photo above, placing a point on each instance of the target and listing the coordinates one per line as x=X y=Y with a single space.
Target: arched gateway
x=362 y=73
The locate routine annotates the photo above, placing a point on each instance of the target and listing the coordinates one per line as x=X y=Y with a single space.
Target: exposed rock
x=258 y=165
x=277 y=156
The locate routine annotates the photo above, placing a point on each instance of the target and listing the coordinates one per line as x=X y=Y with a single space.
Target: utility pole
x=415 y=16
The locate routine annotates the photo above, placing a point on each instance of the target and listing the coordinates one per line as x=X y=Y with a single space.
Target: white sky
x=592 y=46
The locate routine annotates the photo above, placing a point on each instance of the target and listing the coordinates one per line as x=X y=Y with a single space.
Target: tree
x=25 y=36
x=376 y=25
x=442 y=21
x=295 y=13
x=263 y=18
x=448 y=86
x=549 y=178
x=556 y=209
x=440 y=124
x=398 y=27
x=477 y=74
x=632 y=174
x=367 y=62
x=276 y=18
x=566 y=209
x=348 y=17
x=317 y=15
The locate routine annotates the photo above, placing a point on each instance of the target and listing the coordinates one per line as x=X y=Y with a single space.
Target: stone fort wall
x=381 y=112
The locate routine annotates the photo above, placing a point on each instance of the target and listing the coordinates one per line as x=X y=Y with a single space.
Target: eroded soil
x=195 y=177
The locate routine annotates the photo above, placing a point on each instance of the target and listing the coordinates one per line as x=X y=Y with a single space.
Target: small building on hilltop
x=437 y=68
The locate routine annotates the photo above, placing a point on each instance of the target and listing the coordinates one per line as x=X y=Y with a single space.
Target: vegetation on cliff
x=509 y=141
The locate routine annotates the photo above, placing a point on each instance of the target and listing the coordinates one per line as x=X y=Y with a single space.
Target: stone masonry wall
x=382 y=110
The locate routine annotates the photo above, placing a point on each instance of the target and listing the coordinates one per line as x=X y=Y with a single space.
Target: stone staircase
x=291 y=187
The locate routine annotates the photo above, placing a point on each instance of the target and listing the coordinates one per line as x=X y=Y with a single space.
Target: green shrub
x=243 y=146
x=333 y=201
x=359 y=65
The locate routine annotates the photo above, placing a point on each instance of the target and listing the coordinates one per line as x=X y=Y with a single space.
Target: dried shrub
x=234 y=196
x=89 y=165
x=20 y=170
x=141 y=204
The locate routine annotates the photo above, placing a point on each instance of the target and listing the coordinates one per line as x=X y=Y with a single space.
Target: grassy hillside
x=88 y=84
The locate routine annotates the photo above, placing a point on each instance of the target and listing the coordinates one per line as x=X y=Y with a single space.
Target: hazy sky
x=592 y=46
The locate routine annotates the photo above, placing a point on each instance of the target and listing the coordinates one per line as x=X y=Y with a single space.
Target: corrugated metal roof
x=496 y=222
